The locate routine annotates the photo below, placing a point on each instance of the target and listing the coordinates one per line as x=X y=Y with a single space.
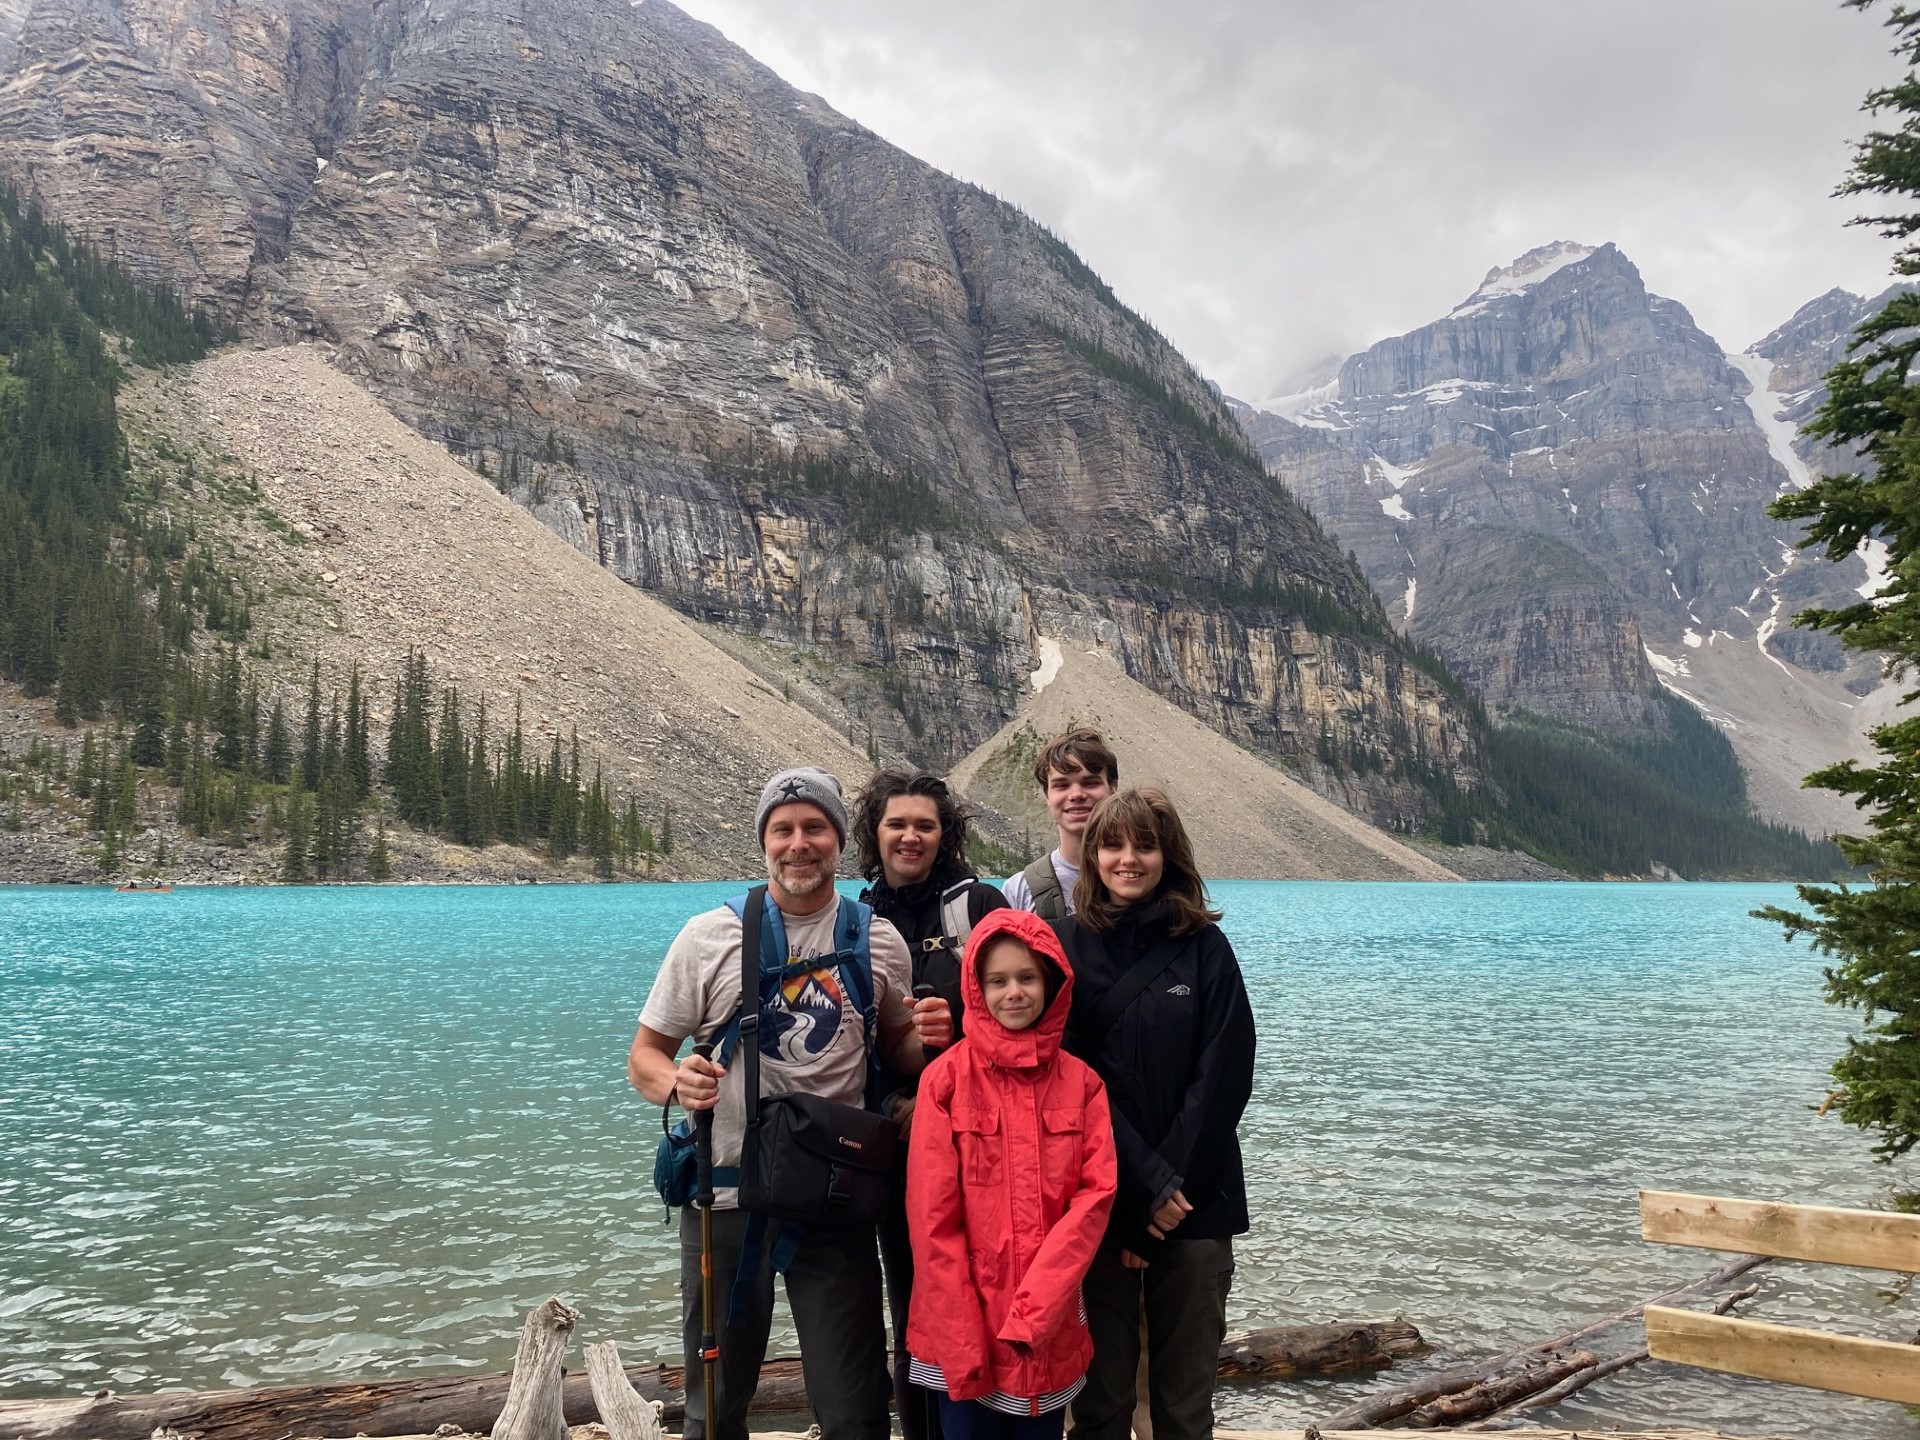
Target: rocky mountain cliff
x=1561 y=486
x=1801 y=352
x=733 y=346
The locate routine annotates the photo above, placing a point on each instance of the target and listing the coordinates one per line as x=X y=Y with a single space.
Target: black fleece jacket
x=1178 y=1065
x=914 y=910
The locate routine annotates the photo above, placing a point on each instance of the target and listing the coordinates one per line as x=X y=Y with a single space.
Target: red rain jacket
x=1010 y=1175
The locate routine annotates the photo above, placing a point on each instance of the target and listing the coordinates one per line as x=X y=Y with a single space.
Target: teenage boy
x=812 y=1039
x=1076 y=772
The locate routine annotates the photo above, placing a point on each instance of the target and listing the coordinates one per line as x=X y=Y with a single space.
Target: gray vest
x=1049 y=901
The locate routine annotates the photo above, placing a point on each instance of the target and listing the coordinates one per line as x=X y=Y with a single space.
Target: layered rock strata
x=733 y=346
x=1561 y=486
x=1560 y=400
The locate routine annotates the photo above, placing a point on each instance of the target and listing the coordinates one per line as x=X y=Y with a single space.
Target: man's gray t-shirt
x=1020 y=895
x=810 y=1035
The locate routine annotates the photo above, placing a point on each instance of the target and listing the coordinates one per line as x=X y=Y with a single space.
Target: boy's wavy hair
x=1146 y=816
x=1081 y=748
x=871 y=807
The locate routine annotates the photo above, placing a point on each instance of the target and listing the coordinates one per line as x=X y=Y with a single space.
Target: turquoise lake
x=261 y=1136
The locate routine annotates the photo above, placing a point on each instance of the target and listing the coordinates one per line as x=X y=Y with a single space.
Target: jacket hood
x=1039 y=1042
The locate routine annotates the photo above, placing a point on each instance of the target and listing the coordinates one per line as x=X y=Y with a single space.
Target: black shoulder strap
x=752 y=918
x=1142 y=973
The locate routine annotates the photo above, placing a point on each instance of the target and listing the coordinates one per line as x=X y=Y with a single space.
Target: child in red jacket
x=1000 y=1244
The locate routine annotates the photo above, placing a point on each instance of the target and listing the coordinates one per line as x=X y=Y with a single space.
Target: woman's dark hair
x=1147 y=817
x=889 y=784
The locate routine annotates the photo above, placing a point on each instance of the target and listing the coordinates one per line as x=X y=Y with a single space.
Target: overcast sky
x=1274 y=181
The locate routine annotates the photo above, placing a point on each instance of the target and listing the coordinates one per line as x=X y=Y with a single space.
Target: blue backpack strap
x=854 y=954
x=853 y=958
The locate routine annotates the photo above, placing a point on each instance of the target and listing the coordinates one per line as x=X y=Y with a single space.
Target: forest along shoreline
x=270 y=551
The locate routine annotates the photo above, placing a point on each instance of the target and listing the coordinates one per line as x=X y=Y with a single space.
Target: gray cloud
x=1274 y=181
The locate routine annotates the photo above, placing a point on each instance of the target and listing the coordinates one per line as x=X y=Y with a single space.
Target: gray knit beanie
x=808 y=783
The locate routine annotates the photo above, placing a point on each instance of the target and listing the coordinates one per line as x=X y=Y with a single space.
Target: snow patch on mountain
x=1297 y=405
x=1663 y=666
x=1765 y=405
x=1523 y=274
x=1050 y=662
x=1874 y=552
x=1396 y=476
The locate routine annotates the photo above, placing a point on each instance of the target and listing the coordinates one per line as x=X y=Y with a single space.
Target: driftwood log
x=1488 y=1376
x=381 y=1407
x=533 y=1409
x=1292 y=1350
x=1504 y=1418
x=476 y=1402
x=622 y=1411
x=1491 y=1394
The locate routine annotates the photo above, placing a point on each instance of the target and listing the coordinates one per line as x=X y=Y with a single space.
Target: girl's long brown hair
x=1144 y=815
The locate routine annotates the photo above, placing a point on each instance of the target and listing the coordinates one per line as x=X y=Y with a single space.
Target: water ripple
x=267 y=1136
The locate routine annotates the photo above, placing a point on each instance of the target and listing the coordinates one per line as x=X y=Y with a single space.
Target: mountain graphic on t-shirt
x=805 y=1017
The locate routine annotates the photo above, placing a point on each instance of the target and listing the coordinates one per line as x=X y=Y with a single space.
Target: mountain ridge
x=735 y=347
x=1582 y=439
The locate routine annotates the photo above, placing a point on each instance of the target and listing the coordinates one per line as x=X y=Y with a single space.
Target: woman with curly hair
x=911 y=834
x=1160 y=1011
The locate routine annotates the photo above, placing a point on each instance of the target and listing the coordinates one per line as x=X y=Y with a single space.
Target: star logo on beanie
x=792 y=790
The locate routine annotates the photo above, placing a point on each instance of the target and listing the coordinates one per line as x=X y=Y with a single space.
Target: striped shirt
x=930 y=1377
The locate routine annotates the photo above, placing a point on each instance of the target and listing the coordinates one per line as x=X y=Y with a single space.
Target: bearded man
x=812 y=1039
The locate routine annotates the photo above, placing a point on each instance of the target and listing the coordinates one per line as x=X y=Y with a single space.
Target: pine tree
x=293 y=862
x=196 y=808
x=333 y=752
x=599 y=828
x=150 y=711
x=1873 y=932
x=451 y=758
x=321 y=851
x=126 y=793
x=250 y=736
x=358 y=756
x=482 y=824
x=229 y=713
x=277 y=759
x=176 y=756
x=563 y=832
x=512 y=794
x=84 y=772
x=310 y=740
x=100 y=815
x=379 y=861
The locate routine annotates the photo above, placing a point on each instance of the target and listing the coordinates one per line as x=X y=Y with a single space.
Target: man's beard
x=802 y=886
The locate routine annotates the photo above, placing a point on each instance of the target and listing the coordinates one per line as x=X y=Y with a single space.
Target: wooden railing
x=1849 y=1364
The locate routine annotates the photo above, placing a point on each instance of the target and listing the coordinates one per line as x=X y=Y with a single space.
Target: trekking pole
x=703 y=1197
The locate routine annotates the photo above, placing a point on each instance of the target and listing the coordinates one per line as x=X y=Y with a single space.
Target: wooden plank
x=1848 y=1364
x=1873 y=1239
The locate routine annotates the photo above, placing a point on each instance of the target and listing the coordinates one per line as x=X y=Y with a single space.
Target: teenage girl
x=1174 y=1045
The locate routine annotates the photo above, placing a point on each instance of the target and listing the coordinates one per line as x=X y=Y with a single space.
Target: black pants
x=833 y=1289
x=1186 y=1302
x=919 y=1408
x=970 y=1420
